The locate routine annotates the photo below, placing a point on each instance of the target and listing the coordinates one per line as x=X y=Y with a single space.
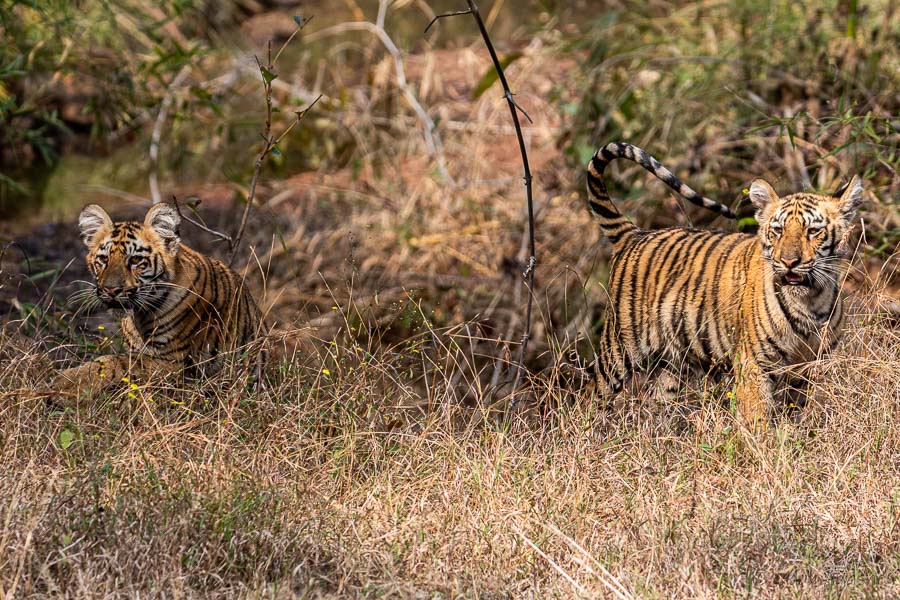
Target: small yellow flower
x=134 y=386
x=746 y=191
x=150 y=399
x=124 y=380
x=131 y=395
x=101 y=328
x=334 y=308
x=326 y=372
x=730 y=395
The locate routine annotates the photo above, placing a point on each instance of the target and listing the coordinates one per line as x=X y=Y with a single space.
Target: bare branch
x=268 y=75
x=300 y=25
x=509 y=98
x=433 y=142
x=445 y=15
x=199 y=225
x=514 y=110
x=300 y=114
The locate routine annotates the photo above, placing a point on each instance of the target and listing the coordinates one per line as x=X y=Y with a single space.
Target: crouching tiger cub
x=181 y=308
x=758 y=302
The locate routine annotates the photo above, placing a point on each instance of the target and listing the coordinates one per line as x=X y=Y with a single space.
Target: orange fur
x=183 y=309
x=705 y=298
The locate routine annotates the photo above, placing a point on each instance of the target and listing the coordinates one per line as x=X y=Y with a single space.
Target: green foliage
x=86 y=67
x=701 y=84
x=491 y=76
x=66 y=437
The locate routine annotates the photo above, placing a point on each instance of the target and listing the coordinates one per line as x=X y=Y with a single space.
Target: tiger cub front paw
x=73 y=383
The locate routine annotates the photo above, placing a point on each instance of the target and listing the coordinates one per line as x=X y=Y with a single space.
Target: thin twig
x=445 y=15
x=157 y=132
x=300 y=25
x=198 y=224
x=268 y=75
x=514 y=110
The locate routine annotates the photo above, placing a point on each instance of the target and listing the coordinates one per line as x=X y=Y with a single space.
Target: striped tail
x=614 y=224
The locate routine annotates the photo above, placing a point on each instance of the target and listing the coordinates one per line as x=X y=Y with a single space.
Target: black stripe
x=739 y=238
x=701 y=259
x=607 y=212
x=619 y=271
x=678 y=283
x=795 y=324
x=641 y=247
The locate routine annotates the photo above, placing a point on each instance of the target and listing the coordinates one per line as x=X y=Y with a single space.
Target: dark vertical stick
x=514 y=112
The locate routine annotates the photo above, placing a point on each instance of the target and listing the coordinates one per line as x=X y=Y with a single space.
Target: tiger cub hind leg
x=611 y=365
x=668 y=384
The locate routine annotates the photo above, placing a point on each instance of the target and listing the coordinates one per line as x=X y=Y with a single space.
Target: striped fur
x=182 y=308
x=693 y=298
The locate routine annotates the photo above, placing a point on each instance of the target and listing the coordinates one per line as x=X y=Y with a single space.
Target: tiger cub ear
x=850 y=197
x=165 y=221
x=91 y=220
x=762 y=194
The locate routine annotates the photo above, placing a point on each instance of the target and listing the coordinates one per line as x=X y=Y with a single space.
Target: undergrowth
x=381 y=456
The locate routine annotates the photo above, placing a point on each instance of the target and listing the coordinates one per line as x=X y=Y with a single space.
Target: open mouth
x=121 y=303
x=116 y=304
x=791 y=278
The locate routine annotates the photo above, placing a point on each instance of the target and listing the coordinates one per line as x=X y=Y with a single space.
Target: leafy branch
x=270 y=146
x=268 y=74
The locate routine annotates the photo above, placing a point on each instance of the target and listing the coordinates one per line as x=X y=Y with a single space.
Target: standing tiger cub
x=701 y=298
x=181 y=308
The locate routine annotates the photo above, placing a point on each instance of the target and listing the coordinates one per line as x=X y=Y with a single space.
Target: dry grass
x=356 y=480
x=380 y=460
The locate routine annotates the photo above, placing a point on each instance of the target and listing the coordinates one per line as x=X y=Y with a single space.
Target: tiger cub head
x=805 y=236
x=131 y=262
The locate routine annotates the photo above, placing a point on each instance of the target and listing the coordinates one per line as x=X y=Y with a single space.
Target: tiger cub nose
x=790 y=262
x=112 y=292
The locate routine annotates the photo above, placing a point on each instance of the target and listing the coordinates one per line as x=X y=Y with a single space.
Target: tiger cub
x=701 y=298
x=181 y=308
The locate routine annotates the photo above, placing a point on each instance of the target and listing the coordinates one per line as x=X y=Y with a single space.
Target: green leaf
x=746 y=222
x=491 y=75
x=13 y=185
x=66 y=437
x=268 y=76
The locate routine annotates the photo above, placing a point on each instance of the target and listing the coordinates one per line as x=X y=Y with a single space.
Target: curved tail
x=615 y=225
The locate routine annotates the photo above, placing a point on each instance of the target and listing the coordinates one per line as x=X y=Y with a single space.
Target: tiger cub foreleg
x=753 y=388
x=107 y=372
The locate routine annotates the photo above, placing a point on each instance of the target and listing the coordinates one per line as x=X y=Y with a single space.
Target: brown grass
x=381 y=459
x=361 y=482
